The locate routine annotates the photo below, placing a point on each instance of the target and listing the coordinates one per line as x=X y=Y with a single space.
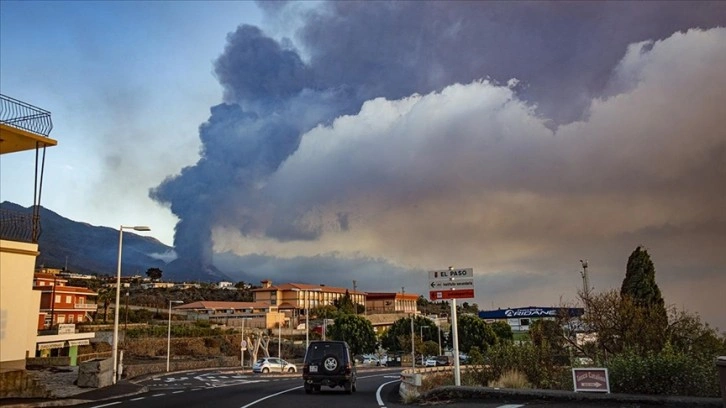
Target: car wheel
x=331 y=363
x=291 y=370
x=265 y=370
x=348 y=388
x=354 y=387
x=308 y=389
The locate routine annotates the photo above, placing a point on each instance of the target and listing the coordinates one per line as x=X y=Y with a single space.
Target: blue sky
x=333 y=141
x=127 y=84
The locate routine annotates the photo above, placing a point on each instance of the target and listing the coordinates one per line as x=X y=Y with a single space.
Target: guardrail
x=412 y=378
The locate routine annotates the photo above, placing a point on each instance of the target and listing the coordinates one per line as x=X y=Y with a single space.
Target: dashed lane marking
x=270 y=396
x=511 y=406
x=107 y=405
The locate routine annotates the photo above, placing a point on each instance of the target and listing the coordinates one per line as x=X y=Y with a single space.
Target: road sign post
x=451 y=284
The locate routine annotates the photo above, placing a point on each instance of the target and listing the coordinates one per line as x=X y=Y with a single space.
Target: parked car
x=443 y=361
x=274 y=365
x=329 y=363
x=431 y=362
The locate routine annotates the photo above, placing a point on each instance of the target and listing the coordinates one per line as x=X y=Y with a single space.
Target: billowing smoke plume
x=347 y=53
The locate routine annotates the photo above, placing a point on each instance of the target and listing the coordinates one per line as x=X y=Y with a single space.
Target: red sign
x=451 y=294
x=591 y=379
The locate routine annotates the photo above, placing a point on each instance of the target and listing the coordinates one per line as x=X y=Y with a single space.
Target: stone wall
x=48 y=361
x=136 y=370
x=19 y=384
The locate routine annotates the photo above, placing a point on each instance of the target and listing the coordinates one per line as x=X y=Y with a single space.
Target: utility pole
x=355 y=305
x=585 y=279
x=413 y=350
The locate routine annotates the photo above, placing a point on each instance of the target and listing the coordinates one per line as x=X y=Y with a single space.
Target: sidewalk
x=66 y=393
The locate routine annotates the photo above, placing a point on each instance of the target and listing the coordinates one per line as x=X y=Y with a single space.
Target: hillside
x=92 y=249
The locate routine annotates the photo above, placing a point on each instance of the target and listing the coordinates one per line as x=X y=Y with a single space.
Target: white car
x=430 y=362
x=273 y=365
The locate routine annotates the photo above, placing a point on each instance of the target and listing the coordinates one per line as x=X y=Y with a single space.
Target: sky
x=326 y=142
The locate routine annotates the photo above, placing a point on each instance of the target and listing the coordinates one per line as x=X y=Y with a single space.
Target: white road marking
x=159 y=395
x=138 y=398
x=107 y=405
x=510 y=406
x=270 y=396
x=378 y=392
x=178 y=392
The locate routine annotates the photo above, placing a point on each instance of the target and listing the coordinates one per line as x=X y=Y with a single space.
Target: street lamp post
x=118 y=293
x=421 y=330
x=126 y=319
x=279 y=344
x=438 y=329
x=168 y=336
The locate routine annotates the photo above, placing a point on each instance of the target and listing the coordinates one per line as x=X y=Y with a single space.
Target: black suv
x=328 y=363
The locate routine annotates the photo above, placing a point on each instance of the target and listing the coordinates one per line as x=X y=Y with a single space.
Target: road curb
x=67 y=402
x=519 y=395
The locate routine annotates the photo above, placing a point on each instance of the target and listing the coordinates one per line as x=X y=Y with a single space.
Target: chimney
x=266 y=283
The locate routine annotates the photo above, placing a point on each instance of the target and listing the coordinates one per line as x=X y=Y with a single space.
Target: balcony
x=23 y=126
x=16 y=226
x=90 y=307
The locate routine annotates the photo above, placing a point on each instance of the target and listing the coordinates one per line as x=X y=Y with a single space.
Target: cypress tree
x=639 y=283
x=646 y=323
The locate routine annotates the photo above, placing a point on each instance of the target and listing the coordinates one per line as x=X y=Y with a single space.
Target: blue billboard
x=531 y=311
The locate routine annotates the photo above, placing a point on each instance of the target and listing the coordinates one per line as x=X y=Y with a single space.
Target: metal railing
x=86 y=306
x=24 y=116
x=16 y=226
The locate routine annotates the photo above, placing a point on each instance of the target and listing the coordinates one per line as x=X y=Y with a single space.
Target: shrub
x=511 y=379
x=431 y=381
x=667 y=372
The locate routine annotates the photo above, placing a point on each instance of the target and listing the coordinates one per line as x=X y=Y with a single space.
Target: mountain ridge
x=85 y=248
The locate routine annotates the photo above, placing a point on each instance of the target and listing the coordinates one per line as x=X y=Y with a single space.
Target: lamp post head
x=142 y=228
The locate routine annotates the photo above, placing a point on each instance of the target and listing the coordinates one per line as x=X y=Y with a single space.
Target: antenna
x=585 y=279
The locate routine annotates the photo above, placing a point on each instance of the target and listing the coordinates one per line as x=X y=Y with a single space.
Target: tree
x=473 y=332
x=502 y=330
x=640 y=289
x=639 y=283
x=345 y=304
x=357 y=331
x=401 y=328
x=154 y=273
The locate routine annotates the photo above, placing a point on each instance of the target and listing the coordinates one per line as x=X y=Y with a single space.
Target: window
x=61 y=319
x=69 y=299
x=71 y=318
x=57 y=299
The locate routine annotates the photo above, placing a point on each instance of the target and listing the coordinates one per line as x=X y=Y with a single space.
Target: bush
x=667 y=372
x=511 y=379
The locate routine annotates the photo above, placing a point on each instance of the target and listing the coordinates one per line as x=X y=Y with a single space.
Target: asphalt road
x=376 y=388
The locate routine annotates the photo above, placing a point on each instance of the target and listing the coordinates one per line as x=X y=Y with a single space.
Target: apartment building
x=234 y=314
x=301 y=296
x=24 y=128
x=391 y=302
x=60 y=303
